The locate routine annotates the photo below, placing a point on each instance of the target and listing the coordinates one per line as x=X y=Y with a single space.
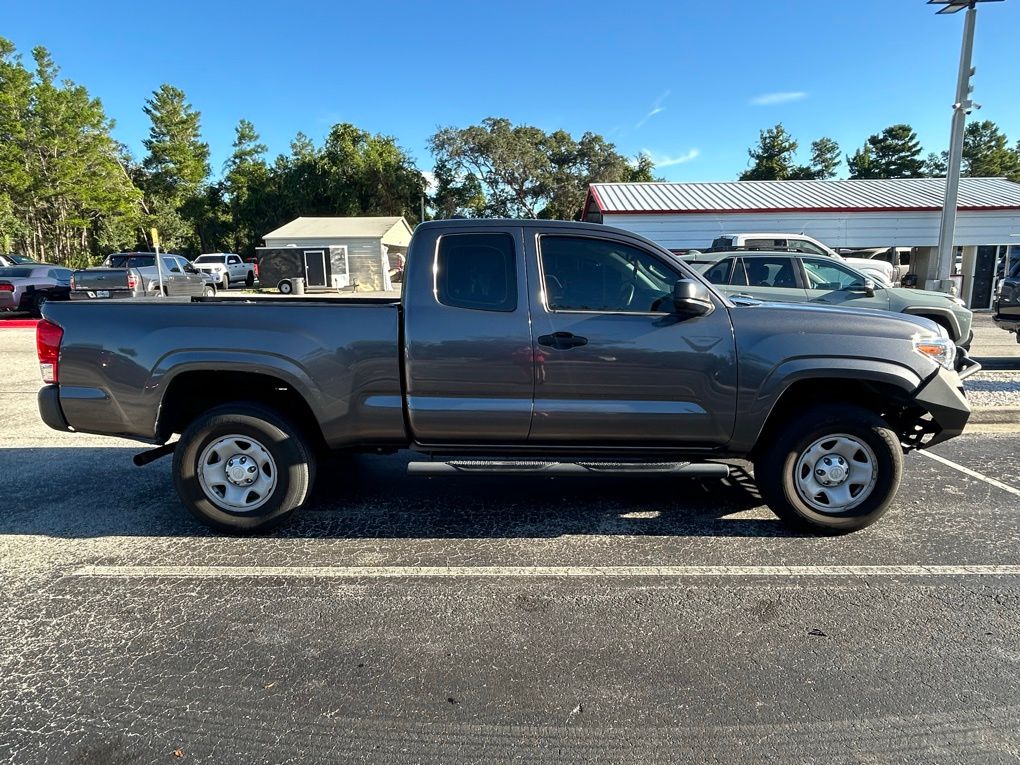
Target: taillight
x=5 y=287
x=132 y=281
x=73 y=284
x=47 y=345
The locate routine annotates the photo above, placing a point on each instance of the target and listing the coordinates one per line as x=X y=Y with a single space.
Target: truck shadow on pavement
x=96 y=491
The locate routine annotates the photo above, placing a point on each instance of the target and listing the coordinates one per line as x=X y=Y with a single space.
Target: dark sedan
x=27 y=288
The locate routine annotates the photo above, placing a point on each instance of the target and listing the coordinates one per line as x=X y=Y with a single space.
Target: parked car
x=879 y=270
x=525 y=347
x=134 y=274
x=14 y=259
x=1007 y=301
x=789 y=277
x=29 y=288
x=897 y=257
x=226 y=268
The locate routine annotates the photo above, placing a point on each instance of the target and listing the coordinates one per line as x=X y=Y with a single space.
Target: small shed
x=335 y=253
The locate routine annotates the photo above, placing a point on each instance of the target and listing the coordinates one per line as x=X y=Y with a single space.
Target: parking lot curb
x=995 y=415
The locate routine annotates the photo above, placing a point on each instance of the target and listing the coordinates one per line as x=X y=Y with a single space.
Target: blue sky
x=691 y=83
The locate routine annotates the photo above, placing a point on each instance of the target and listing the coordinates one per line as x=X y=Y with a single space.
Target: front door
x=614 y=365
x=315 y=268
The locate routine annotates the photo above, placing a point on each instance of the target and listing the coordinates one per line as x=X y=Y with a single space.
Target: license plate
x=102 y=293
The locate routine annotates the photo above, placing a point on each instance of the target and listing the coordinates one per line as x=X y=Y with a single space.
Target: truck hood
x=803 y=319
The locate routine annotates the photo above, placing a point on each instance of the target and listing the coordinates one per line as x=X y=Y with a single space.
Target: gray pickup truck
x=525 y=347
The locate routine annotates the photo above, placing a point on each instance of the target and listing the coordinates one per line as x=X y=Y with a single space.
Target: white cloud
x=785 y=97
x=430 y=182
x=656 y=108
x=665 y=160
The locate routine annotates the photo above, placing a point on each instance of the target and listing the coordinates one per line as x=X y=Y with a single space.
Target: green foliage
x=825 y=158
x=986 y=153
x=498 y=169
x=61 y=181
x=772 y=157
x=893 y=153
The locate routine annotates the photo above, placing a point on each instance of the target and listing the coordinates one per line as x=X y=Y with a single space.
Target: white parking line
x=973 y=473
x=443 y=572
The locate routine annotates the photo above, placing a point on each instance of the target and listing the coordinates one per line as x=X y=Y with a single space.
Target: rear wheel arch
x=192 y=393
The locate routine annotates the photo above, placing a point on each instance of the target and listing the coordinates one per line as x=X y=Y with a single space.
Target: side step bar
x=543 y=467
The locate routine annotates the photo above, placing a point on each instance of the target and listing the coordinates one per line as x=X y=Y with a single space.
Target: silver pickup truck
x=134 y=274
x=526 y=347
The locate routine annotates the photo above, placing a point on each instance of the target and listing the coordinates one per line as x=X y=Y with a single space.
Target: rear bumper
x=942 y=397
x=1008 y=323
x=49 y=408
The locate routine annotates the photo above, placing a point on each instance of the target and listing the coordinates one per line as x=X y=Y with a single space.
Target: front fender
x=758 y=403
x=943 y=313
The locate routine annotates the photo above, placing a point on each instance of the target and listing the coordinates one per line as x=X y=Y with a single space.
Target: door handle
x=562 y=340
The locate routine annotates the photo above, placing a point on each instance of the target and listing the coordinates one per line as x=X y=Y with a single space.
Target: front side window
x=719 y=273
x=169 y=264
x=776 y=271
x=586 y=274
x=477 y=271
x=826 y=274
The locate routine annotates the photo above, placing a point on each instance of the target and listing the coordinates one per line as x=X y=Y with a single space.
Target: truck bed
x=119 y=359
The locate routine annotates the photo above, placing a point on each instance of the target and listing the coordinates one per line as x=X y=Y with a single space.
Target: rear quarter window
x=477 y=271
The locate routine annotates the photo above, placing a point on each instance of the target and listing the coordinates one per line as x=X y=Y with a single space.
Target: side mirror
x=869 y=287
x=691 y=298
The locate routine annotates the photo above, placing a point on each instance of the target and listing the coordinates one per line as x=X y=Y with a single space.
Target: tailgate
x=101 y=279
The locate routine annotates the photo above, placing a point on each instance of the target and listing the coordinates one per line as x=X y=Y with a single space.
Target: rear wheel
x=249 y=280
x=243 y=468
x=285 y=287
x=836 y=468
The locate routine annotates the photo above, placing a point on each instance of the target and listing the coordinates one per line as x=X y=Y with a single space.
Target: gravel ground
x=993 y=389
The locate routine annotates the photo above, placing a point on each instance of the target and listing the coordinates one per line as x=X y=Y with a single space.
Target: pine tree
x=773 y=156
x=893 y=153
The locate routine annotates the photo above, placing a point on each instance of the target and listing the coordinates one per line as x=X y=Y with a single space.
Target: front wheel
x=834 y=469
x=208 y=291
x=243 y=468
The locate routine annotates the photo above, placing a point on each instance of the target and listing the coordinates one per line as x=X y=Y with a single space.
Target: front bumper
x=1008 y=323
x=49 y=408
x=943 y=400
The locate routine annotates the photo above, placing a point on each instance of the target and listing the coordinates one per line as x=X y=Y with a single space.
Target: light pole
x=962 y=107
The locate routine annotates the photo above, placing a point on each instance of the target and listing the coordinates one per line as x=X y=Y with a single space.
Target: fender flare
x=944 y=313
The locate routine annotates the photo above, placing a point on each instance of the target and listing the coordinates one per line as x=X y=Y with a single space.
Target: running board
x=543 y=467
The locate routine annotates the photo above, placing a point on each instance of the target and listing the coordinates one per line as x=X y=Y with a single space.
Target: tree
x=243 y=194
x=935 y=165
x=825 y=158
x=499 y=169
x=176 y=167
x=893 y=153
x=61 y=181
x=772 y=157
x=986 y=153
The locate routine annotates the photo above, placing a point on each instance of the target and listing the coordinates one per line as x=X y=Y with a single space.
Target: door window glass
x=826 y=274
x=764 y=244
x=802 y=246
x=720 y=272
x=477 y=271
x=169 y=264
x=586 y=274
x=770 y=272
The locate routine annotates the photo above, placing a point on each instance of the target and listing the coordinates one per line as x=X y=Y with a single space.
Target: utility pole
x=962 y=107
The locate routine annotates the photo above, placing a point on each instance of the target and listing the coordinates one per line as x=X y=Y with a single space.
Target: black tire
x=38 y=302
x=285 y=287
x=776 y=468
x=225 y=284
x=249 y=280
x=208 y=291
x=292 y=458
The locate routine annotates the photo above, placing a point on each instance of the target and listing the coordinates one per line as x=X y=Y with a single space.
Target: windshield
x=14 y=272
x=211 y=259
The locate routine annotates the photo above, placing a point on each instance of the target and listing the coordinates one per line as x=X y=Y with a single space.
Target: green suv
x=793 y=278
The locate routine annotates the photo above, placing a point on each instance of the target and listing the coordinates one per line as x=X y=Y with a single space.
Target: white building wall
x=859 y=229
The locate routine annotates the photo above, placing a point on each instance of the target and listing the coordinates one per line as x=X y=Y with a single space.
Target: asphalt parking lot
x=407 y=620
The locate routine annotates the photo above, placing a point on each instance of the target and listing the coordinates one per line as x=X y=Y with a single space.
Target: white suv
x=226 y=268
x=879 y=270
